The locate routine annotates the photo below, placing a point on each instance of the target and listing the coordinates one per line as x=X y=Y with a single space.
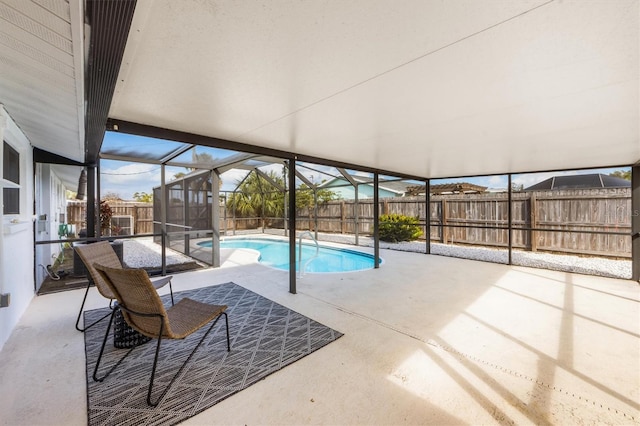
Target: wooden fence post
x=445 y=230
x=533 y=235
x=342 y=217
x=134 y=215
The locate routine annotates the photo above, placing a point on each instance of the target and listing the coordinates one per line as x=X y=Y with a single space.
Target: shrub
x=396 y=227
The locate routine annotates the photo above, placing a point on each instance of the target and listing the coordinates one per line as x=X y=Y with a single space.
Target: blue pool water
x=275 y=253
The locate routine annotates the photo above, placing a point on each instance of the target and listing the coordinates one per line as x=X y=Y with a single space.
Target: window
x=11 y=178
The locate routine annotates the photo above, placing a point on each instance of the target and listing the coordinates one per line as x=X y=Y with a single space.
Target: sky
x=126 y=178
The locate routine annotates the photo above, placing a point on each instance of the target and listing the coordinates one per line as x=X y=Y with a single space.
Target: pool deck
x=427 y=340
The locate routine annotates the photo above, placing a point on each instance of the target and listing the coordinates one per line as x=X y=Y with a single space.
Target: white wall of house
x=16 y=239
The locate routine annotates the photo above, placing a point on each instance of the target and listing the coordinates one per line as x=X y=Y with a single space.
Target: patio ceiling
x=424 y=88
x=420 y=88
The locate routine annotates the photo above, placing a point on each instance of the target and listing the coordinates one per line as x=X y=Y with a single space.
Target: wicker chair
x=143 y=310
x=103 y=253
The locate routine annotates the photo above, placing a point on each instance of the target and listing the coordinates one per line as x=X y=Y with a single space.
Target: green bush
x=396 y=227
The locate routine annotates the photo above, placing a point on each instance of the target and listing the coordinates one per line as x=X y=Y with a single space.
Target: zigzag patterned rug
x=265 y=337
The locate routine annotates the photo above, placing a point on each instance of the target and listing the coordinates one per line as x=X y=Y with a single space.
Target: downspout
x=3 y=125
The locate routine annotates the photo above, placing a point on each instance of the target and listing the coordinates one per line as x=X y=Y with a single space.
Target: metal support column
x=315 y=212
x=292 y=226
x=376 y=218
x=427 y=216
x=509 y=218
x=356 y=210
x=163 y=218
x=91 y=201
x=215 y=219
x=235 y=203
x=635 y=222
x=99 y=198
x=186 y=208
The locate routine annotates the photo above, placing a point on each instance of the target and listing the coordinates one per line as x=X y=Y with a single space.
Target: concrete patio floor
x=427 y=340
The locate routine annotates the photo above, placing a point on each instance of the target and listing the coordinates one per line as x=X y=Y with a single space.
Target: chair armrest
x=161 y=282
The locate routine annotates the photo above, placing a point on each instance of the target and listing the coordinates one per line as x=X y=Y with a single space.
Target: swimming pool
x=275 y=253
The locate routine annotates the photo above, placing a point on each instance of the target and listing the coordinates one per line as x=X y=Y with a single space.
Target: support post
x=235 y=202
x=215 y=219
x=163 y=218
x=356 y=213
x=225 y=213
x=292 y=226
x=91 y=201
x=635 y=222
x=99 y=198
x=186 y=220
x=376 y=218
x=509 y=218
x=427 y=216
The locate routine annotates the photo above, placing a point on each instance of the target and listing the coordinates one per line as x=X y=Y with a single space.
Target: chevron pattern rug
x=265 y=337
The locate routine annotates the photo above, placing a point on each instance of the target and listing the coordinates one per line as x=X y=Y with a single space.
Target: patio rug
x=265 y=337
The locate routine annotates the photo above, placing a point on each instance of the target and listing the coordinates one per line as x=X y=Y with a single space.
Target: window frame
x=11 y=172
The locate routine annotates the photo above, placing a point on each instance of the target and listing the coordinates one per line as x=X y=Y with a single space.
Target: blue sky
x=126 y=178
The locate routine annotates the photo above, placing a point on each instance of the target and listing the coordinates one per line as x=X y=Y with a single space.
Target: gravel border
x=144 y=253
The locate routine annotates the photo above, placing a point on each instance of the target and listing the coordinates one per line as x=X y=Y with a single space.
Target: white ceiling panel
x=425 y=88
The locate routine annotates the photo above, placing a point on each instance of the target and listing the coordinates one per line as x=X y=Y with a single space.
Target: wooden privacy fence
x=139 y=215
x=582 y=216
x=563 y=221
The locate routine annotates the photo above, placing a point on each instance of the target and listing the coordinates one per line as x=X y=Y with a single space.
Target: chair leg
x=171 y=291
x=155 y=361
x=226 y=319
x=104 y=342
x=80 y=313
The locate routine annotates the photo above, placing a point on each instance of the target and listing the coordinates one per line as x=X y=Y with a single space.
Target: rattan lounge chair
x=103 y=253
x=144 y=312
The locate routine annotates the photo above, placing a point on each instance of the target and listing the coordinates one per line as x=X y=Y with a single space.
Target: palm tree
x=257 y=197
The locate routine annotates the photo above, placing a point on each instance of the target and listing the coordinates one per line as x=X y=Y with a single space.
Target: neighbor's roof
x=595 y=180
x=447 y=188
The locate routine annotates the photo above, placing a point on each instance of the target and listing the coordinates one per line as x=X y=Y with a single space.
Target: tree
x=304 y=196
x=256 y=197
x=517 y=187
x=623 y=174
x=143 y=197
x=111 y=196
